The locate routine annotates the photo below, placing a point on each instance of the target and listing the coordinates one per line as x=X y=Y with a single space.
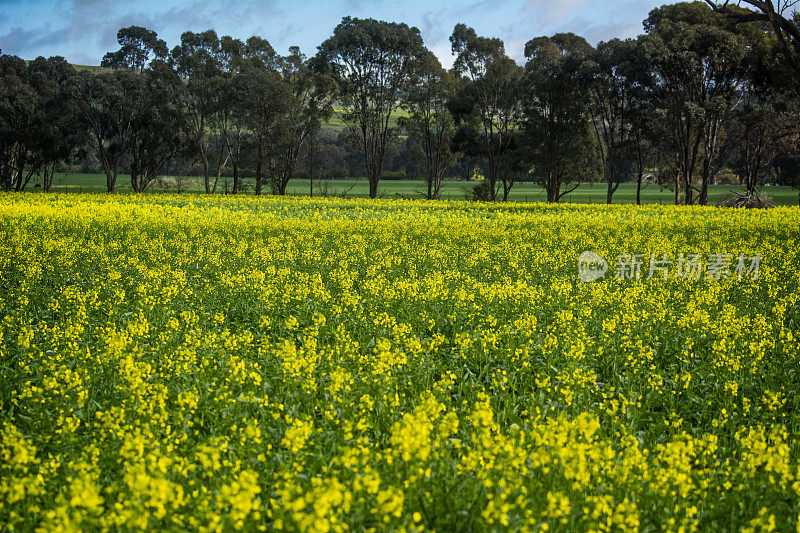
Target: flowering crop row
x=173 y=362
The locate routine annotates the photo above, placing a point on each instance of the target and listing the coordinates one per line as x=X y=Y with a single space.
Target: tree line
x=707 y=86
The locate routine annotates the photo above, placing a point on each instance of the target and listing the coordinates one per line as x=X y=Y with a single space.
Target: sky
x=82 y=31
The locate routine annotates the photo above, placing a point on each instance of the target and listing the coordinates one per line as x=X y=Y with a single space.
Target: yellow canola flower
x=188 y=362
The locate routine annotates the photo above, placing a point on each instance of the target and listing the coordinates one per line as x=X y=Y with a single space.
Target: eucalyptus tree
x=556 y=113
x=782 y=16
x=318 y=110
x=262 y=102
x=196 y=60
x=487 y=103
x=373 y=63
x=159 y=124
x=37 y=128
x=56 y=137
x=152 y=92
x=615 y=74
x=764 y=126
x=139 y=47
x=697 y=61
x=18 y=109
x=310 y=101
x=767 y=120
x=429 y=124
x=229 y=137
x=258 y=53
x=231 y=132
x=105 y=107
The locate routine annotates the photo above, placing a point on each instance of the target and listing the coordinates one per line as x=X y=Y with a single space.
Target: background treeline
x=709 y=91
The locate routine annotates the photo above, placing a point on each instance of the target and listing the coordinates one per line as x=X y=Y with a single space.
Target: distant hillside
x=90 y=68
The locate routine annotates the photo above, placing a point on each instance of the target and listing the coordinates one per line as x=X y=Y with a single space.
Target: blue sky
x=84 y=30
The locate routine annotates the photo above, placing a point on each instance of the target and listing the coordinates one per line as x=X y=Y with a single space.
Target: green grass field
x=594 y=193
x=337 y=124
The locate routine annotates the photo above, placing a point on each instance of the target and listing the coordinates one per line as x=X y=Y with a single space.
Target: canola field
x=215 y=364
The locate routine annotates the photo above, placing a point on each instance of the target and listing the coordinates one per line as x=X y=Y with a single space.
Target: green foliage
x=699 y=65
x=482 y=192
x=138 y=48
x=373 y=62
x=556 y=110
x=487 y=106
x=37 y=120
x=428 y=123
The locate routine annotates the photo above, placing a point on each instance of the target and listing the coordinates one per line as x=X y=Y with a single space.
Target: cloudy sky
x=84 y=30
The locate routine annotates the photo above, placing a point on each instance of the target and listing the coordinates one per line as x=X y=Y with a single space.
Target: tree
x=698 y=67
x=158 y=125
x=196 y=60
x=765 y=123
x=262 y=101
x=429 y=124
x=614 y=73
x=309 y=101
x=319 y=109
x=785 y=24
x=18 y=110
x=138 y=48
x=153 y=124
x=57 y=138
x=373 y=62
x=556 y=114
x=487 y=105
x=233 y=56
x=643 y=123
x=104 y=108
x=762 y=129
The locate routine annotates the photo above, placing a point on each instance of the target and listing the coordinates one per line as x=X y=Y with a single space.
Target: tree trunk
x=206 y=170
x=311 y=162
x=373 y=187
x=284 y=181
x=687 y=185
x=639 y=177
x=492 y=182
x=216 y=180
x=438 y=186
x=259 y=182
x=111 y=182
x=21 y=159
x=702 y=199
x=552 y=189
